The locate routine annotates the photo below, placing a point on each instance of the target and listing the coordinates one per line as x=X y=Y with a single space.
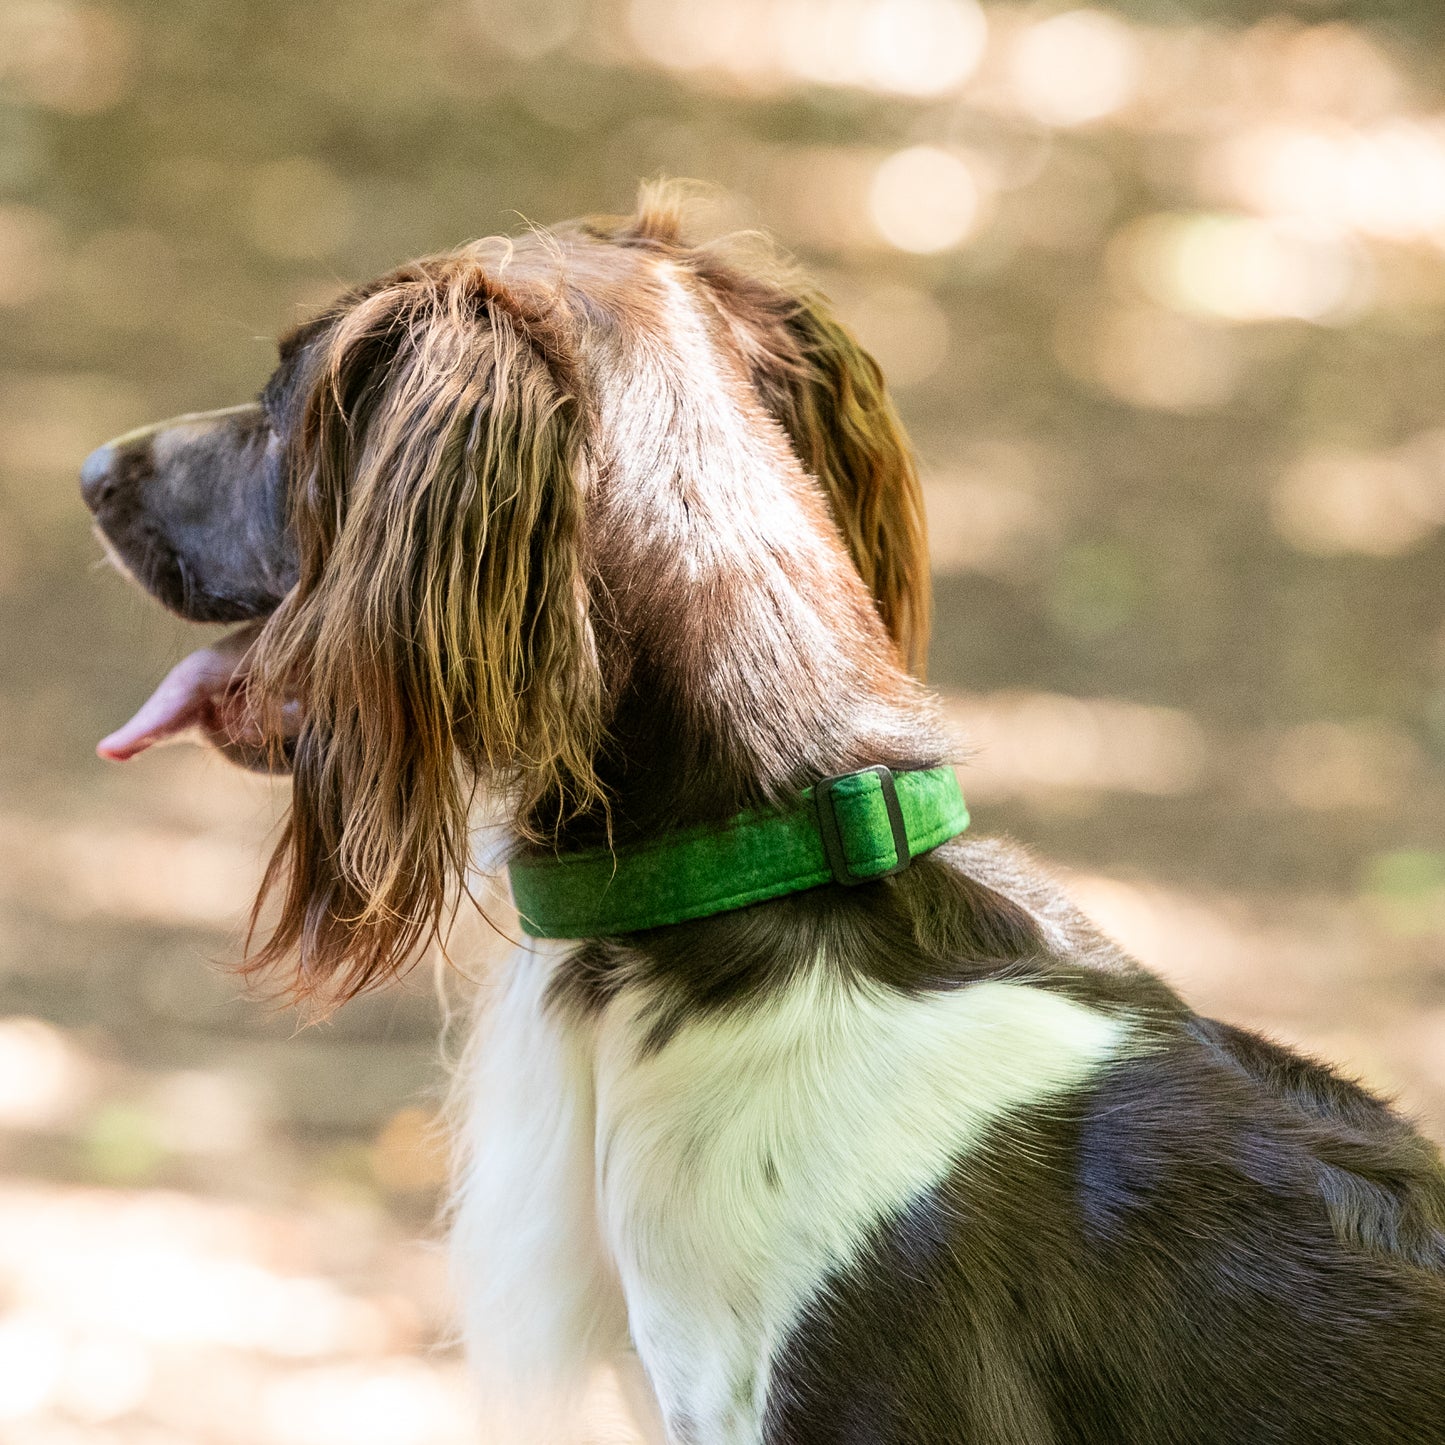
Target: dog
x=622 y=531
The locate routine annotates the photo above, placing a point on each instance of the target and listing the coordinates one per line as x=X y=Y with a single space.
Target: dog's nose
x=96 y=472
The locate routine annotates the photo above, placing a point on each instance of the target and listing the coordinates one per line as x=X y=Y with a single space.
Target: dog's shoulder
x=1229 y=1099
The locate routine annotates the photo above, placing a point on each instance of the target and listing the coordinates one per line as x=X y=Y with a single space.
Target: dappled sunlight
x=1315 y=973
x=1386 y=181
x=44 y=1078
x=924 y=199
x=141 y=1306
x=905 y=47
x=29 y=263
x=1240 y=269
x=978 y=523
x=396 y=1403
x=1029 y=743
x=1160 y=301
x=146 y=1312
x=153 y=874
x=74 y=56
x=1379 y=503
x=1074 y=68
x=1151 y=357
x=1325 y=766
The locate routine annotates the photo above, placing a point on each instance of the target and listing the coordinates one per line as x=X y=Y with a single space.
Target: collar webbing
x=849 y=829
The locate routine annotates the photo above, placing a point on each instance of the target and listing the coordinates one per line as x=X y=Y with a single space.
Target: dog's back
x=1215 y=1242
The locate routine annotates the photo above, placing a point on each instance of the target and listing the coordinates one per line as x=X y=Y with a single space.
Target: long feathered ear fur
x=438 y=636
x=828 y=393
x=848 y=434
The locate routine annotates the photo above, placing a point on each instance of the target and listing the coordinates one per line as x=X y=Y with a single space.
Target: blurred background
x=1160 y=287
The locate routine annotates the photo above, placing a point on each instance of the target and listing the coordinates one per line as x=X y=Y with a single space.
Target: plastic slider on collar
x=847 y=810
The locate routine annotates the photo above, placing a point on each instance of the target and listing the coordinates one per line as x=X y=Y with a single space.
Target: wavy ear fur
x=828 y=394
x=847 y=433
x=826 y=391
x=438 y=636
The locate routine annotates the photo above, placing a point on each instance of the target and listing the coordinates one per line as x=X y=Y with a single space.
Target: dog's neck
x=742 y=656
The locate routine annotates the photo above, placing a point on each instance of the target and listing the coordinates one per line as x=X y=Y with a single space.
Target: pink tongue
x=200 y=691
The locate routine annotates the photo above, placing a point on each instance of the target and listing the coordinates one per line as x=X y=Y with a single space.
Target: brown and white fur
x=623 y=532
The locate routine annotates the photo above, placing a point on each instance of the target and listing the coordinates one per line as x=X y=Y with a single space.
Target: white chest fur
x=698 y=1196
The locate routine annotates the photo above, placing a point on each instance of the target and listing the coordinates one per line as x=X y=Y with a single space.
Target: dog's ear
x=836 y=409
x=439 y=633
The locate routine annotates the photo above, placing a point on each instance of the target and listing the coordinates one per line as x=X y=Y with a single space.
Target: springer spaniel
x=623 y=532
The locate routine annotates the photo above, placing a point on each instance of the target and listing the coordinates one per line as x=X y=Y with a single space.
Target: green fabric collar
x=849 y=829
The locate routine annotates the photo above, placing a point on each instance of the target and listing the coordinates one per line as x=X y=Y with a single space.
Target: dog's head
x=415 y=520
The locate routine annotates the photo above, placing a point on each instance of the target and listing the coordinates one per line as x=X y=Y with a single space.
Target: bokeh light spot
x=924 y=199
x=1075 y=67
x=42 y=1076
x=1323 y=766
x=900 y=47
x=1335 y=501
x=1031 y=744
x=1237 y=268
x=531 y=30
x=67 y=56
x=920 y=47
x=1151 y=357
x=30 y=242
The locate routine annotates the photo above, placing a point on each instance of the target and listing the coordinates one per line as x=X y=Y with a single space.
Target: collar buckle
x=832 y=834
